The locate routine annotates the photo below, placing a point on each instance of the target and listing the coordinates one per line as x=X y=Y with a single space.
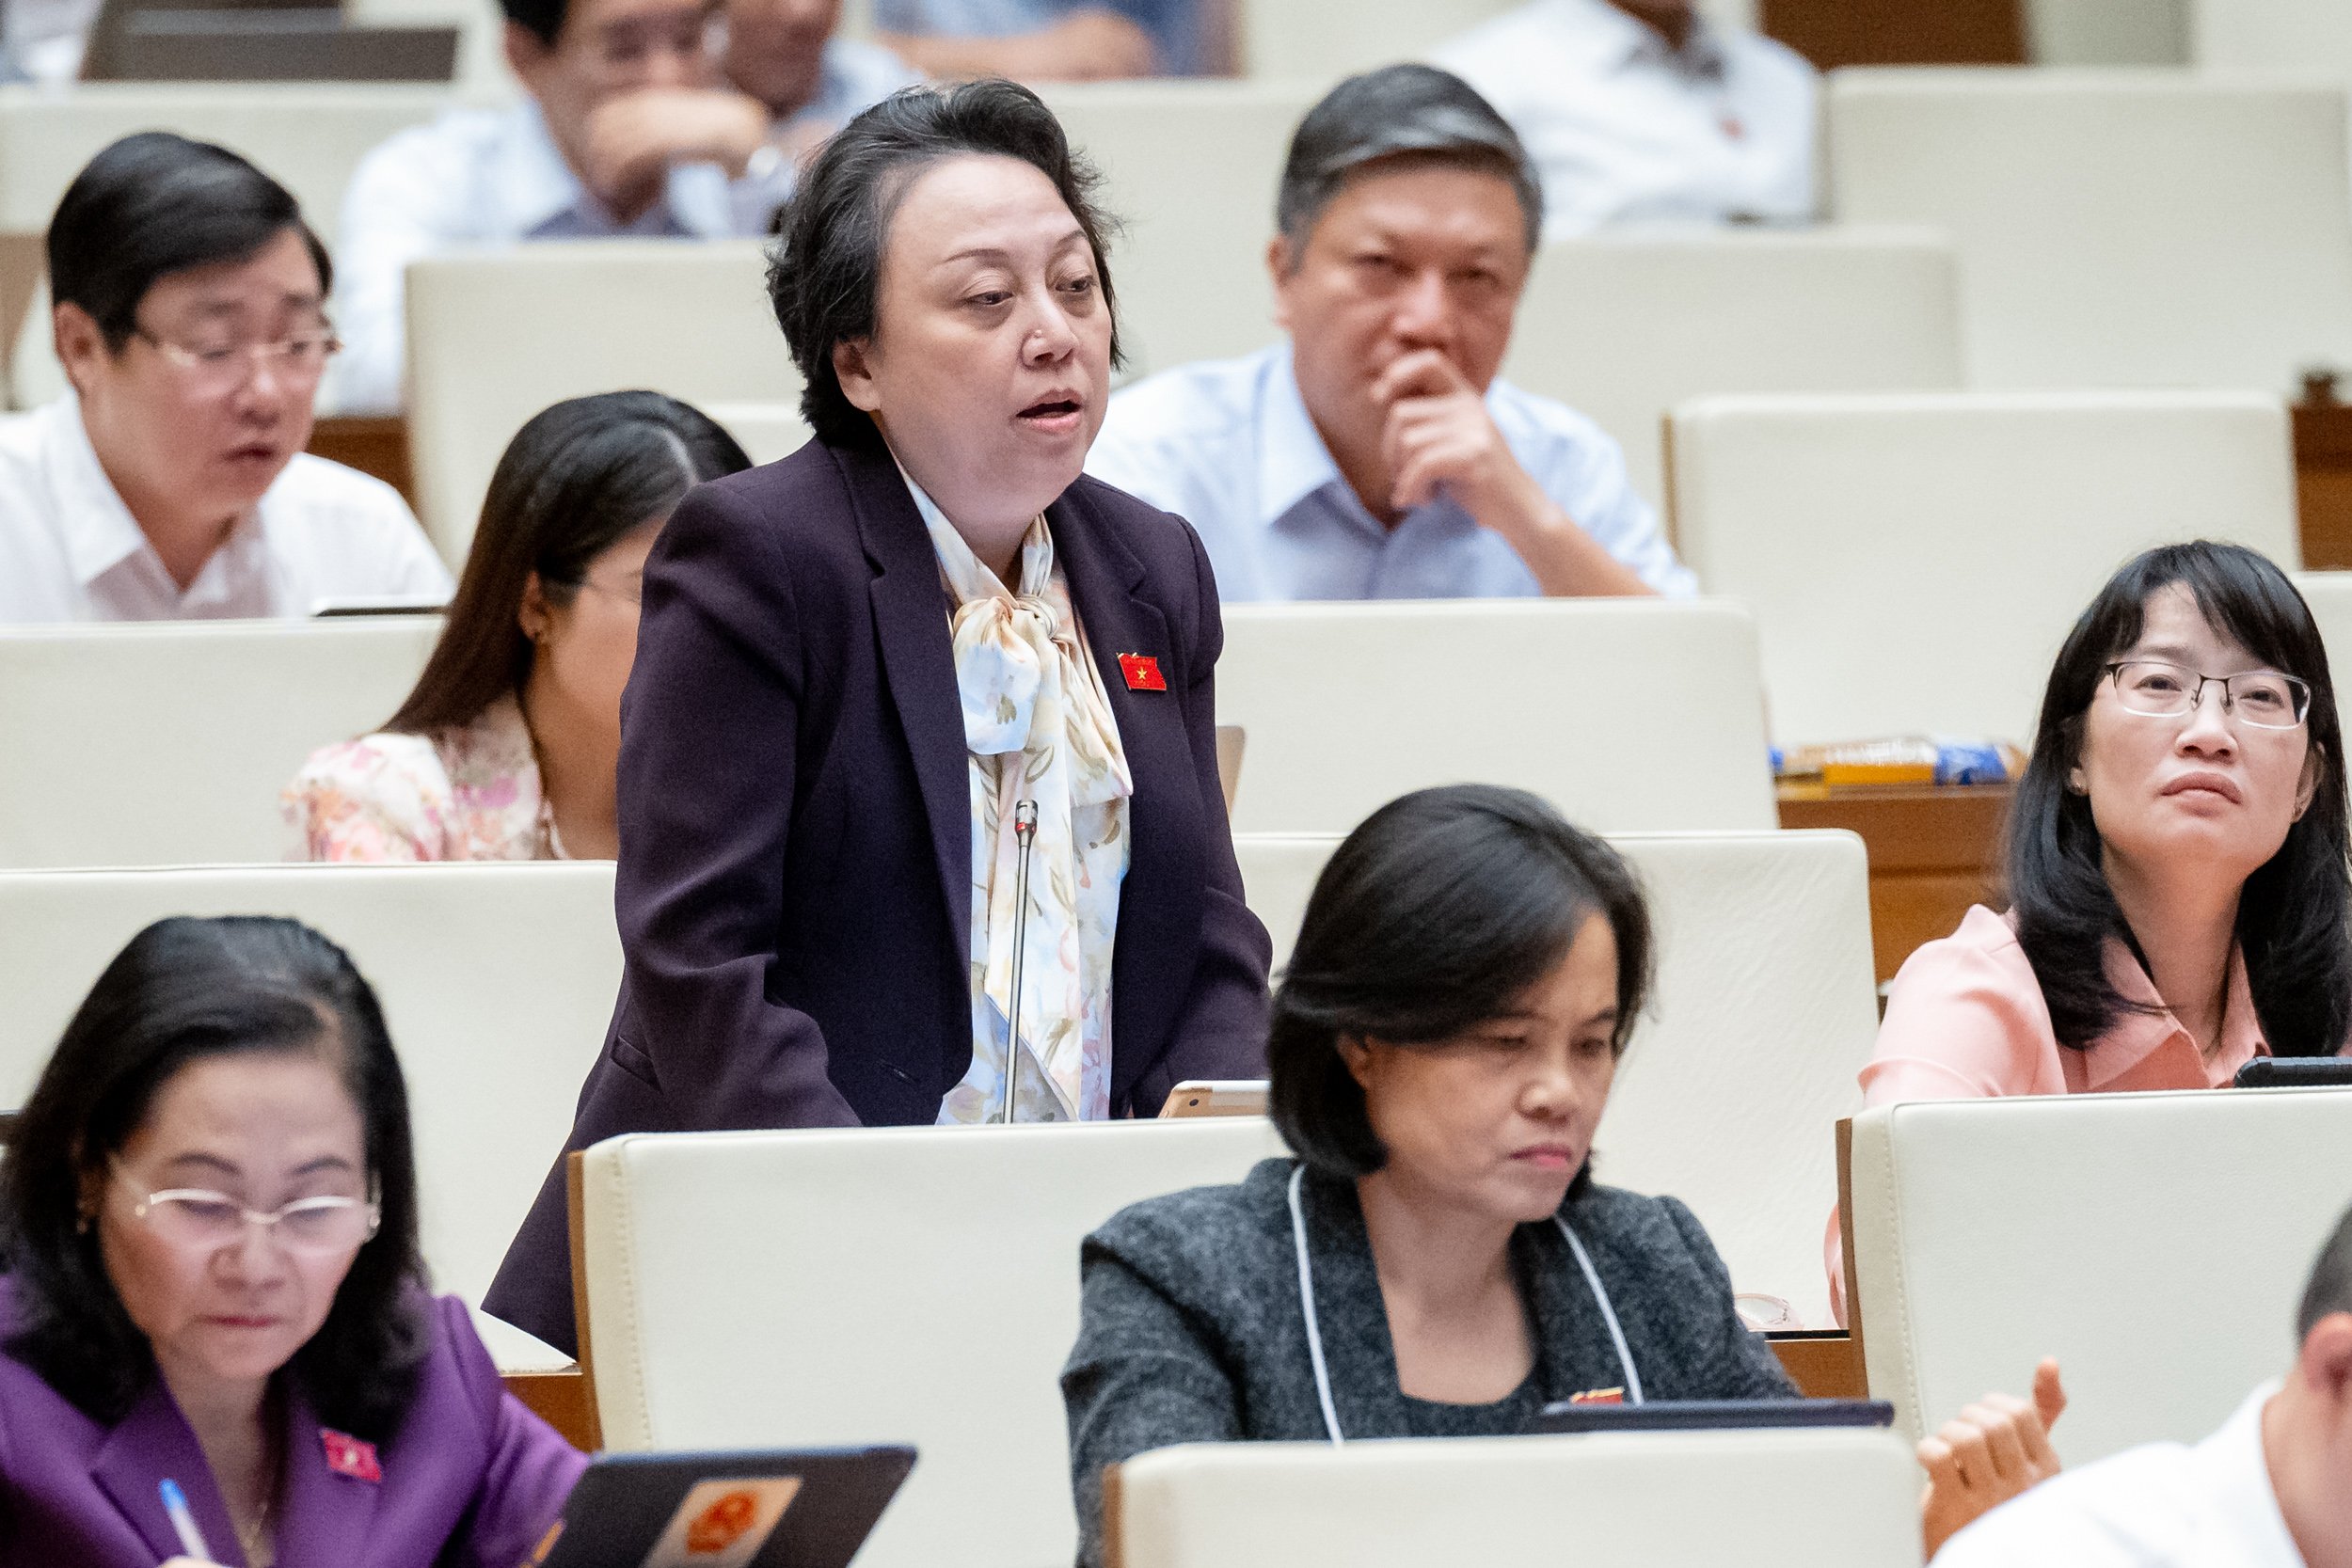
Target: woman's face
x=587 y=647
x=990 y=364
x=1498 y=1120
x=2204 y=789
x=264 y=1129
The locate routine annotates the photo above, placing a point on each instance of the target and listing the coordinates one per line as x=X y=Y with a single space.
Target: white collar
x=98 y=531
x=1619 y=39
x=535 y=182
x=2239 y=1473
x=1292 y=462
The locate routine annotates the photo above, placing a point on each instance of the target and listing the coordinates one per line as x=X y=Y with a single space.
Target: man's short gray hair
x=1398 y=111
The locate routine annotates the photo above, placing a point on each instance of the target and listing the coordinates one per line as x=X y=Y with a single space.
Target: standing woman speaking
x=861 y=667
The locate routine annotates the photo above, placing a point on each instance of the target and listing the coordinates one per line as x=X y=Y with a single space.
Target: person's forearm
x=1569 y=563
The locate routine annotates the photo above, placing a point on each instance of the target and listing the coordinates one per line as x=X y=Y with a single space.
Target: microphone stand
x=1025 y=836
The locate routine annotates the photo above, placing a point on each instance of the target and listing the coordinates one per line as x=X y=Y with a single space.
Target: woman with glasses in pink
x=2179 y=902
x=509 y=746
x=171 y=482
x=216 y=1336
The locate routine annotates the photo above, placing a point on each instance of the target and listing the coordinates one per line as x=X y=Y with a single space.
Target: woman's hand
x=1987 y=1454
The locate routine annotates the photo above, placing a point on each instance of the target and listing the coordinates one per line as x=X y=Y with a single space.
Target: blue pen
x=184 y=1522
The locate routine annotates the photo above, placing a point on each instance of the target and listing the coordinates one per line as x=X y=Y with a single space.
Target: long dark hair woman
x=2179 y=898
x=915 y=667
x=1438 y=1260
x=506 y=749
x=208 y=1222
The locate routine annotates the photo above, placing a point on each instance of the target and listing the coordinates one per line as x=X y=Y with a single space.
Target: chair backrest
x=1982 y=523
x=1623 y=326
x=1190 y=265
x=1764 y=1011
x=2330 y=595
x=2115 y=229
x=497 y=982
x=765 y=431
x=2300 y=35
x=1348 y=706
x=692 y=320
x=1293 y=38
x=168 y=743
x=876 y=1284
x=1686 y=1499
x=1989 y=1233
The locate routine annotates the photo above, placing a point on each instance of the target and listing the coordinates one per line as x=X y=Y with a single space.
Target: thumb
x=2049 y=1396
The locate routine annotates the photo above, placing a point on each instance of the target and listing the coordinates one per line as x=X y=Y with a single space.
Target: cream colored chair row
x=1914 y=561
x=1699 y=1499
x=497 y=983
x=1764 y=1011
x=168 y=743
x=2157 y=1244
x=2330 y=595
x=2295 y=34
x=495 y=336
x=1630 y=717
x=2116 y=228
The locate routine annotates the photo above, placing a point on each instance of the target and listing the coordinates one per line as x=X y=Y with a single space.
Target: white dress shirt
x=2166 y=1505
x=1623 y=129
x=1228 y=446
x=69 y=550
x=478 y=177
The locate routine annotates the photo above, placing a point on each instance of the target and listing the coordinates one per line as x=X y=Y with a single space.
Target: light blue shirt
x=1228 y=446
x=1173 y=24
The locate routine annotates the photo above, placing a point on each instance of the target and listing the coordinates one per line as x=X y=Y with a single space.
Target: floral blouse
x=470 y=793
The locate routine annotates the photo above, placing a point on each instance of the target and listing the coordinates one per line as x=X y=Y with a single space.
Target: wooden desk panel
x=565 y=1403
x=1934 y=852
x=2323 y=471
x=1834 y=33
x=377 y=447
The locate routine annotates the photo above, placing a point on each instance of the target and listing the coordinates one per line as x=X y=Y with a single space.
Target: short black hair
x=1414 y=112
x=2295 y=914
x=824 y=276
x=154 y=204
x=542 y=19
x=2329 y=1289
x=183 y=990
x=1435 y=915
x=576 y=479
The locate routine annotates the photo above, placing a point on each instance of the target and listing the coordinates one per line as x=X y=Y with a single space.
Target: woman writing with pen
x=215 y=1341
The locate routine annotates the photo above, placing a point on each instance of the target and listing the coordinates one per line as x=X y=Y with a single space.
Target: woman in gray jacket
x=1438 y=1260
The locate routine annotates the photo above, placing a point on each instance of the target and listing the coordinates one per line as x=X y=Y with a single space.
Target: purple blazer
x=471 y=1479
x=794 y=888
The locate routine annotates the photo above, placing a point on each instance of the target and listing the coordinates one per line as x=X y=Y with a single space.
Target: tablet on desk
x=2294 y=1072
x=804 y=1508
x=1710 y=1415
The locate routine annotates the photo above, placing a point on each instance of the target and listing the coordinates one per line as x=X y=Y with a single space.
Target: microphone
x=1024 y=838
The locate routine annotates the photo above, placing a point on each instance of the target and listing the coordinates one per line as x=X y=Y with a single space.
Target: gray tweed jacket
x=1191 y=1329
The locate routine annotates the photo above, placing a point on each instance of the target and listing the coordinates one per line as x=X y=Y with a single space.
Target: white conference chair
x=497 y=982
x=767 y=432
x=1765 y=1009
x=2330 y=595
x=167 y=743
x=1989 y=1233
x=1623 y=325
x=2116 y=228
x=690 y=320
x=308 y=136
x=1695 y=1500
x=2293 y=35
x=874 y=1285
x=1299 y=39
x=1914 y=561
x=1190 y=261
x=1629 y=715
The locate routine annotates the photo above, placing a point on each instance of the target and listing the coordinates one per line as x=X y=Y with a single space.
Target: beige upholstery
x=886 y=1284
x=1629 y=716
x=2157 y=1244
x=1914 y=561
x=2116 y=228
x=1698 y=1499
x=497 y=982
x=2299 y=35
x=2106 y=32
x=1190 y=261
x=1623 y=326
x=309 y=137
x=1765 y=1009
x=765 y=431
x=690 y=320
x=167 y=743
x=2330 y=595
x=1301 y=39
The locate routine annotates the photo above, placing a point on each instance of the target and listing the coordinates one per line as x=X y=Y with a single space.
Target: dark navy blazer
x=795 y=872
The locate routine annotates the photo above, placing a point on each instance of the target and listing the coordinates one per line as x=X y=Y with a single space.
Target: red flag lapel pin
x=1142 y=671
x=347 y=1455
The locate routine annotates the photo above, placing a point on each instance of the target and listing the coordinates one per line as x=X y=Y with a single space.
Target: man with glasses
x=636 y=121
x=171 y=482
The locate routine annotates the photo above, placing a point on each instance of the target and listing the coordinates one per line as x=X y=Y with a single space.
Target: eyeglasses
x=2263 y=698
x=201 y=1220
x=219 y=368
